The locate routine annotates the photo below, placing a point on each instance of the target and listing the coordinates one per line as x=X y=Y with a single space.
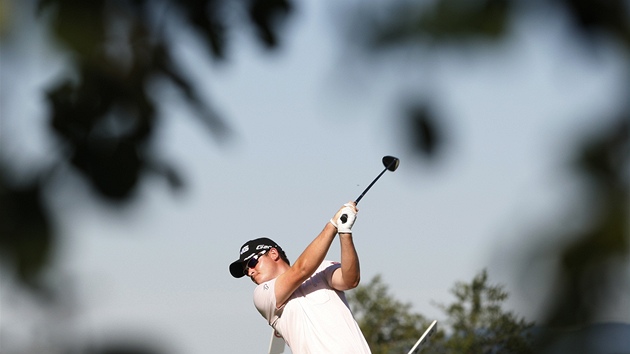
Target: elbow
x=354 y=282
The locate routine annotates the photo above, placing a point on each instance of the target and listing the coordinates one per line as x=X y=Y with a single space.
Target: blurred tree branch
x=102 y=109
x=592 y=258
x=105 y=116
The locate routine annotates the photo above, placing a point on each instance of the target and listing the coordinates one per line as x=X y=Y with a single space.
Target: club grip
x=344 y=217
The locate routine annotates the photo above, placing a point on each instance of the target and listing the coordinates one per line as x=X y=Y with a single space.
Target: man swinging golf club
x=305 y=302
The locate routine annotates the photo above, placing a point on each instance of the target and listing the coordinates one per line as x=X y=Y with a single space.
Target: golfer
x=304 y=302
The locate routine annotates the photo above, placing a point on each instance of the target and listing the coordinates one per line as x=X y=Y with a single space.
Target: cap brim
x=236 y=269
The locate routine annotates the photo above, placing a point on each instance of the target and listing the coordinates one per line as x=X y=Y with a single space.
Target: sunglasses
x=252 y=262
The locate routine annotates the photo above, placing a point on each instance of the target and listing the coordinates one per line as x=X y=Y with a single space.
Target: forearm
x=305 y=265
x=315 y=252
x=350 y=269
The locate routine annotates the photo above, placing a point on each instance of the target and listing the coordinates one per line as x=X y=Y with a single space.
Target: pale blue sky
x=160 y=266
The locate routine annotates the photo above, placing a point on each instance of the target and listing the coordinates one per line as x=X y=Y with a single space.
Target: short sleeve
x=327 y=268
x=265 y=300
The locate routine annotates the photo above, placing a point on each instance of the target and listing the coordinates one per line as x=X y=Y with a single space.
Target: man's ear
x=274 y=254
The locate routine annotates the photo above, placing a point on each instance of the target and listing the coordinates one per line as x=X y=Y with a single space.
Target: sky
x=158 y=268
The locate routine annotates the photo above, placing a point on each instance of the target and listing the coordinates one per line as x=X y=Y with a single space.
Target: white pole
x=276 y=345
x=425 y=336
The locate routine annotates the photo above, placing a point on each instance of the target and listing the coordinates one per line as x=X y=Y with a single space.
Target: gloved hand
x=345 y=218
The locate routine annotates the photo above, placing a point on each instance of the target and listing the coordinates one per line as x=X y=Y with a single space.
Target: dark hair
x=283 y=255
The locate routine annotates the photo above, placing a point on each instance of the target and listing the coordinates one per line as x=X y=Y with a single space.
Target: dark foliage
x=104 y=111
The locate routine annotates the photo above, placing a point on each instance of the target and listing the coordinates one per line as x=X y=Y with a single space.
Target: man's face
x=261 y=267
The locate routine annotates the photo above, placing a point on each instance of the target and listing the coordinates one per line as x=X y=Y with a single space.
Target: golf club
x=391 y=164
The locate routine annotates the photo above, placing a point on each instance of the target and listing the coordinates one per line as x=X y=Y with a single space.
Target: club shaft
x=374 y=181
x=370 y=186
x=393 y=162
x=344 y=217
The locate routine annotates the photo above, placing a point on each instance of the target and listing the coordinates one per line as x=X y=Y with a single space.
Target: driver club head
x=391 y=163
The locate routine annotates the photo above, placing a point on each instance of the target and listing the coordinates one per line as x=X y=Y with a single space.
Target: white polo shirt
x=316 y=319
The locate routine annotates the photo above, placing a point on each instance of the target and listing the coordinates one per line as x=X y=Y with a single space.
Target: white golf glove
x=344 y=219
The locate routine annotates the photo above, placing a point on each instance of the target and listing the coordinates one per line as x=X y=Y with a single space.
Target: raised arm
x=348 y=276
x=308 y=262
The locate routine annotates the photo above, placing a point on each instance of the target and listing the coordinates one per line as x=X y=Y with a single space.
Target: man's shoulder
x=266 y=286
x=264 y=292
